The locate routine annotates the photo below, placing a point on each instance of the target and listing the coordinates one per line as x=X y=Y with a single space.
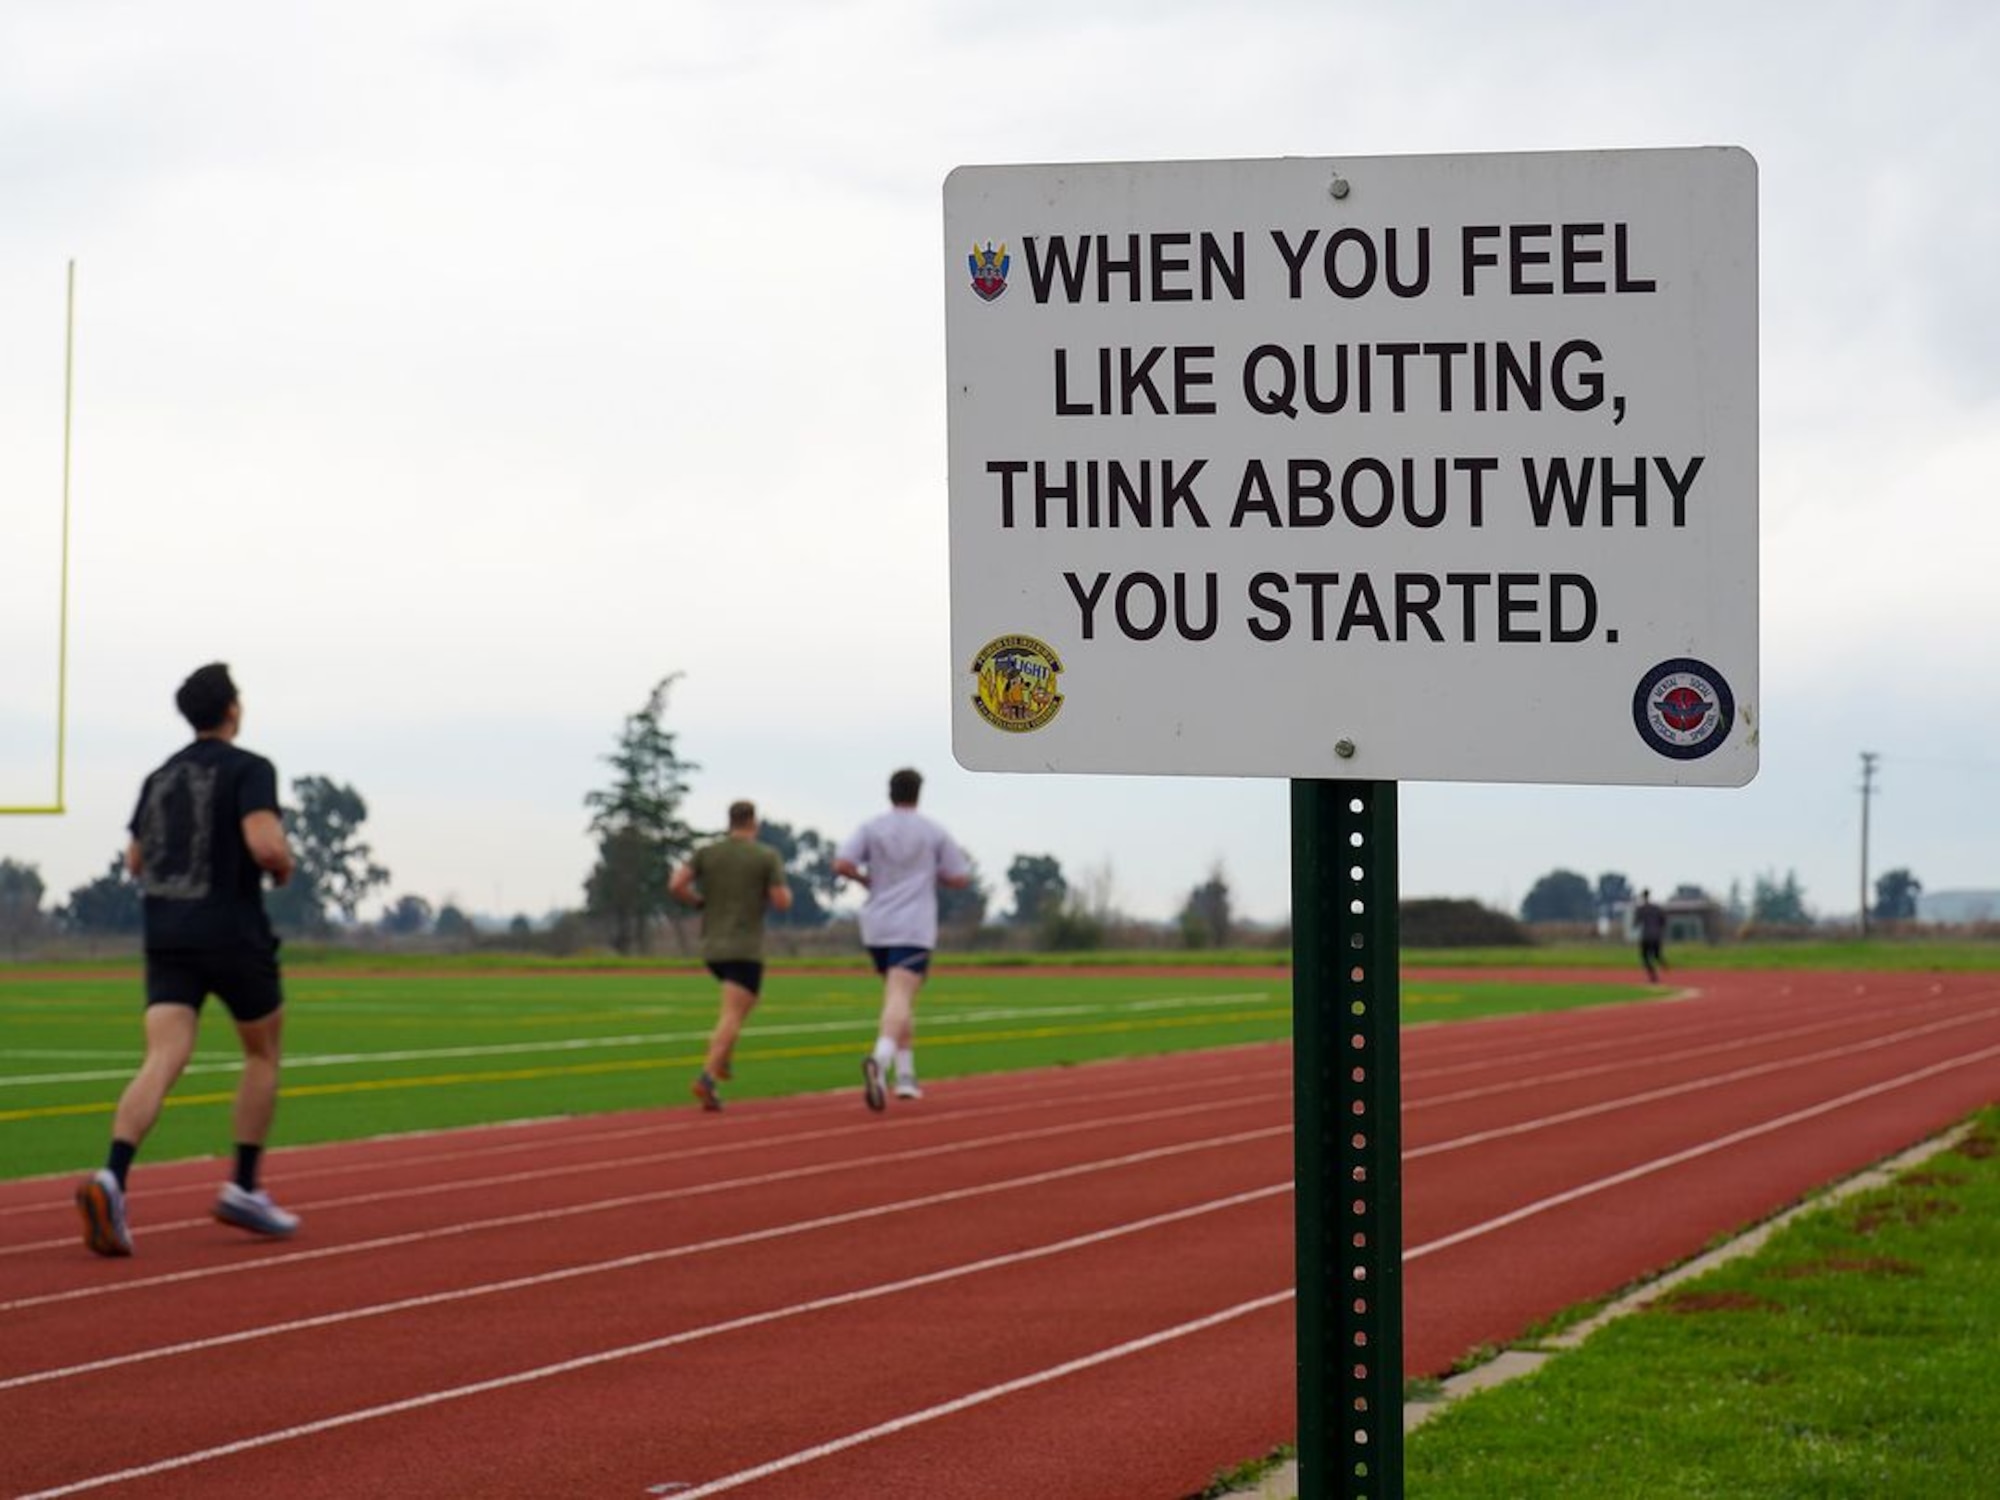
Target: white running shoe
x=102 y=1203
x=907 y=1088
x=254 y=1212
x=871 y=1084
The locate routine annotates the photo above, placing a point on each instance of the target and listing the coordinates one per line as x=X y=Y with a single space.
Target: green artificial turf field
x=371 y=1053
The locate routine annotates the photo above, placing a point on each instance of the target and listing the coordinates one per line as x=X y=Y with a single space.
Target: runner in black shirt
x=1652 y=924
x=205 y=833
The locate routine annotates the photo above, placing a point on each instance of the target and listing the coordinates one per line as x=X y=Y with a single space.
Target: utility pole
x=1868 y=759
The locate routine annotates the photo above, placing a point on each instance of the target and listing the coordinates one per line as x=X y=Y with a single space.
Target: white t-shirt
x=903 y=853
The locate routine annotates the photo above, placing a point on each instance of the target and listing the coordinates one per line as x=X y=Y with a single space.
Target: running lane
x=1075 y=1283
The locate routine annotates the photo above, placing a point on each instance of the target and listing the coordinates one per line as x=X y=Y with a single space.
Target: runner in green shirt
x=734 y=881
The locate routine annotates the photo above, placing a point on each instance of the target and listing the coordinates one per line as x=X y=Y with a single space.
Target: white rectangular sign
x=1401 y=468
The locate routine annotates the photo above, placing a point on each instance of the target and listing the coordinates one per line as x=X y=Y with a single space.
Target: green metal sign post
x=1346 y=1083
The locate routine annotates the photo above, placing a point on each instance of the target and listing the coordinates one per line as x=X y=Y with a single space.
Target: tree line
x=1565 y=896
x=336 y=871
x=641 y=833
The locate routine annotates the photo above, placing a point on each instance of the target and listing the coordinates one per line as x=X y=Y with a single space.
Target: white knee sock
x=885 y=1052
x=906 y=1065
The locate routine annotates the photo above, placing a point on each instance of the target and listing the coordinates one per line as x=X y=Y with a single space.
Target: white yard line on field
x=933 y=1018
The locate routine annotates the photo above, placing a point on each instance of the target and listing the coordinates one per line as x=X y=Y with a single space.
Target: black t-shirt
x=202 y=888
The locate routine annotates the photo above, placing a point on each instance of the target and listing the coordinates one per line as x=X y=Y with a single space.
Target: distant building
x=1958 y=908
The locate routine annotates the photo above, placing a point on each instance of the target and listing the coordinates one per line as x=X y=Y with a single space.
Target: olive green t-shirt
x=733 y=876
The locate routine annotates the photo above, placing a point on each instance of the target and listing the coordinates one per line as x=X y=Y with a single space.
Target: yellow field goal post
x=14 y=504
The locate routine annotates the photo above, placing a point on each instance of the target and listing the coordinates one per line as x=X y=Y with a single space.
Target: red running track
x=1069 y=1284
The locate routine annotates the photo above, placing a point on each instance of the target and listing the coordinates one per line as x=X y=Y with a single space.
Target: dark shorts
x=739 y=971
x=246 y=982
x=916 y=960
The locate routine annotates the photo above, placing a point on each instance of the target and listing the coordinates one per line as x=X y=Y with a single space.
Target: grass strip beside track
x=382 y=1053
x=1850 y=1356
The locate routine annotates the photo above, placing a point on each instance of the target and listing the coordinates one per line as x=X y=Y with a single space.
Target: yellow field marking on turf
x=654 y=1064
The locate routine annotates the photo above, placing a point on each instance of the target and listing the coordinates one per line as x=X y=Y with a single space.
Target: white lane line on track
x=707 y=1152
x=672 y=1252
x=1505 y=1052
x=856 y=1027
x=1457 y=1143
x=688 y=1336
x=979 y=1398
x=265 y=1263
x=561 y=1133
x=1692 y=1153
x=1691 y=1086
x=1639 y=1060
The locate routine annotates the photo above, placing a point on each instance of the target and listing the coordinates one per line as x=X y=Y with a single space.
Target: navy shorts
x=916 y=960
x=245 y=981
x=741 y=971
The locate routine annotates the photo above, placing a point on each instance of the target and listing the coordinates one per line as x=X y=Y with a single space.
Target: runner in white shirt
x=902 y=857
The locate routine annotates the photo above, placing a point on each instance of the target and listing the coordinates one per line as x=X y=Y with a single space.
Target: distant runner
x=902 y=857
x=206 y=832
x=733 y=880
x=1652 y=935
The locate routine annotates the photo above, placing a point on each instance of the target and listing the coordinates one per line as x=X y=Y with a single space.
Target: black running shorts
x=739 y=971
x=246 y=982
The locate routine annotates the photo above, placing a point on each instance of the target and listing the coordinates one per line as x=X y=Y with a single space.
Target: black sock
x=119 y=1162
x=247 y=1157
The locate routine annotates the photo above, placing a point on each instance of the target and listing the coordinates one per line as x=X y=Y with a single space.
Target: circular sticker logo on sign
x=1683 y=708
x=1017 y=683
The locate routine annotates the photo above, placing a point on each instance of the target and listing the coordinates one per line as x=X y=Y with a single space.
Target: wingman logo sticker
x=989 y=270
x=1683 y=708
x=1017 y=675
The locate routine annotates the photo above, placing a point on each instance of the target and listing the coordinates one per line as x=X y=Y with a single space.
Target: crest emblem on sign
x=1016 y=676
x=989 y=270
x=1683 y=708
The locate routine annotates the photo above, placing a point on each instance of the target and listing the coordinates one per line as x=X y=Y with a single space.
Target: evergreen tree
x=1039 y=888
x=20 y=903
x=808 y=858
x=110 y=903
x=1560 y=896
x=638 y=825
x=1205 y=918
x=336 y=868
x=1896 y=893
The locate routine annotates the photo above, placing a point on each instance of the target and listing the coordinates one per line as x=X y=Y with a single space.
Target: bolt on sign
x=1398 y=468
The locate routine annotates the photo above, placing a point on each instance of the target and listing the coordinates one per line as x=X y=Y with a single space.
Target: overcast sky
x=456 y=371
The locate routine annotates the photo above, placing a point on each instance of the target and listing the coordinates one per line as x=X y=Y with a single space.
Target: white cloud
x=456 y=370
